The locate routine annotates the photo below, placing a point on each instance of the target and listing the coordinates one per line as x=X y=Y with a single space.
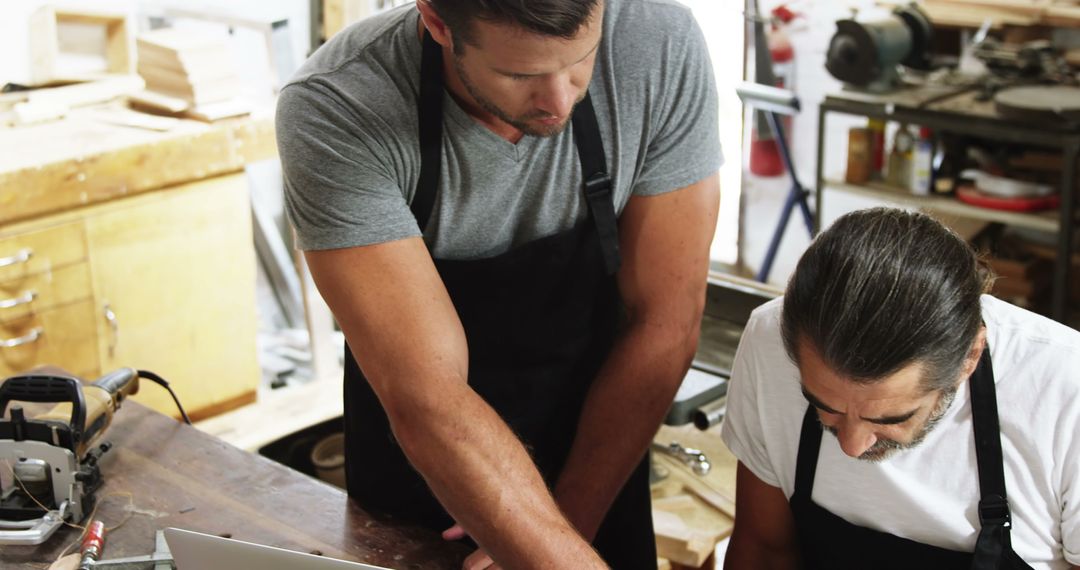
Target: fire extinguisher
x=764 y=152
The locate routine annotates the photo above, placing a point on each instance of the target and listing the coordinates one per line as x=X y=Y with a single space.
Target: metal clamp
x=22 y=256
x=25 y=339
x=25 y=298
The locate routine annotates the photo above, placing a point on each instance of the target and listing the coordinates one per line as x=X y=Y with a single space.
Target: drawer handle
x=19 y=341
x=25 y=298
x=22 y=256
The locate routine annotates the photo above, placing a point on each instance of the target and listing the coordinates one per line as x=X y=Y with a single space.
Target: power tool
x=50 y=462
x=865 y=54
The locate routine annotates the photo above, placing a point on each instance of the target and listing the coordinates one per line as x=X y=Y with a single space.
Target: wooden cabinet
x=163 y=281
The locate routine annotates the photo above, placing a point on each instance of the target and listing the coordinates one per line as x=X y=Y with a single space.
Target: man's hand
x=478 y=560
x=665 y=242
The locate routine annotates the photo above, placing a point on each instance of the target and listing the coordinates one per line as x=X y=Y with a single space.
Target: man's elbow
x=421 y=415
x=675 y=330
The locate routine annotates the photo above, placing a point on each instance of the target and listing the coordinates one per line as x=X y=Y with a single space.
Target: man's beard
x=520 y=123
x=885 y=448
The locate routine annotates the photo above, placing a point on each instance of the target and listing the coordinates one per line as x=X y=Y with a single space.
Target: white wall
x=764 y=197
x=722 y=23
x=15 y=40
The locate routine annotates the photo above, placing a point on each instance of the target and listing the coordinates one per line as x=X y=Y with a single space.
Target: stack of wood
x=190 y=72
x=972 y=13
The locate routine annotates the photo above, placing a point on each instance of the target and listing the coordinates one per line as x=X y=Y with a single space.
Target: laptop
x=197 y=551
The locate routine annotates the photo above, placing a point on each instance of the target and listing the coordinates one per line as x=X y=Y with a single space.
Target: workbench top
x=90 y=157
x=161 y=473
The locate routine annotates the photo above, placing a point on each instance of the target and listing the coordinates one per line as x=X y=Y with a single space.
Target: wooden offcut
x=45 y=48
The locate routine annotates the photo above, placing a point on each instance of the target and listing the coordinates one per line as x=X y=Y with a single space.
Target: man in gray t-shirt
x=458 y=312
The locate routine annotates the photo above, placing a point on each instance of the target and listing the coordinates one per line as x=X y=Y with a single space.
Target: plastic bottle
x=922 y=180
x=901 y=157
x=877 y=142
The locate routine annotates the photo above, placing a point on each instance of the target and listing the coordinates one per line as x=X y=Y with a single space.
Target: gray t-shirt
x=347 y=133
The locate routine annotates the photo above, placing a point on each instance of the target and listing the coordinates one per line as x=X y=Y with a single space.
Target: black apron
x=830 y=542
x=540 y=320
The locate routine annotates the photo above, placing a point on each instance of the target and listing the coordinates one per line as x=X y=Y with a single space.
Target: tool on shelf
x=54 y=456
x=867 y=54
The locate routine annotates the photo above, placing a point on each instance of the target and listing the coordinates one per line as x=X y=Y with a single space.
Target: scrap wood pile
x=192 y=73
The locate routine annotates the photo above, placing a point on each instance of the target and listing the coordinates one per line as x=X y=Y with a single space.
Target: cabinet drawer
x=40 y=251
x=19 y=298
x=64 y=336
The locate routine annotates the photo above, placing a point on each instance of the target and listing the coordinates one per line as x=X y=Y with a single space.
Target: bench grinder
x=866 y=54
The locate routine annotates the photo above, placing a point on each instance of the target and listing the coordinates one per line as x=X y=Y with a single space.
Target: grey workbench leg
x=1061 y=291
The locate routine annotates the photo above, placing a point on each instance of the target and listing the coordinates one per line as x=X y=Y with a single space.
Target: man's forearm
x=742 y=553
x=486 y=480
x=622 y=412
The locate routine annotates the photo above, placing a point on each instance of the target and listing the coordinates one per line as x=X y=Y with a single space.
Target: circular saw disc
x=1040 y=102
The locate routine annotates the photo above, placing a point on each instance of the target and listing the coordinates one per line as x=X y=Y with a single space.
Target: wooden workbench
x=129 y=247
x=179 y=476
x=85 y=159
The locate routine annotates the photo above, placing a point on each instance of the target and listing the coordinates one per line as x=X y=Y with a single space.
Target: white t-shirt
x=930 y=494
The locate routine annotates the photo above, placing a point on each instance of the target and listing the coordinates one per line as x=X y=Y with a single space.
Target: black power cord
x=165 y=384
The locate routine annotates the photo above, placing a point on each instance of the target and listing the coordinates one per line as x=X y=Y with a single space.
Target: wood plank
x=79 y=94
x=1063 y=16
x=972 y=13
x=680 y=543
x=223 y=407
x=718 y=487
x=80 y=161
x=278 y=413
x=127 y=118
x=1028 y=7
x=333 y=17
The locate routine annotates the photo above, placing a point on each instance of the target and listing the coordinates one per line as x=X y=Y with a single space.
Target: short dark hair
x=882 y=289
x=557 y=18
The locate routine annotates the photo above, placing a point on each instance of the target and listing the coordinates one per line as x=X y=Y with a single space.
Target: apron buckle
x=598 y=185
x=994 y=510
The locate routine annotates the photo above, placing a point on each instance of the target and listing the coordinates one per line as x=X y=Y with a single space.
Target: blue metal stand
x=797 y=196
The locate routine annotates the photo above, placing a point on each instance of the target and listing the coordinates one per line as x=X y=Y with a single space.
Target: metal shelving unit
x=1042 y=221
x=960 y=112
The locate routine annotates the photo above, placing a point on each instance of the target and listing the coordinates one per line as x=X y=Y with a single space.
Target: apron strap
x=994 y=516
x=807 y=459
x=430 y=111
x=598 y=191
x=590 y=146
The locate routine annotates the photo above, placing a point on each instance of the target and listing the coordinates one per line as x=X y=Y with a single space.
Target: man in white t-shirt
x=951 y=418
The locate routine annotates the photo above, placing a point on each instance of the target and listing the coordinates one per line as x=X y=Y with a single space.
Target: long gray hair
x=883 y=289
